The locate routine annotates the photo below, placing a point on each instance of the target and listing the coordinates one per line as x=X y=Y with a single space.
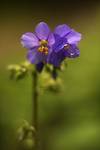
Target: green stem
x=35 y=106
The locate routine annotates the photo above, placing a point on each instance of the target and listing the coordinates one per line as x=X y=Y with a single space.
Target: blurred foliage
x=48 y=79
x=19 y=71
x=25 y=136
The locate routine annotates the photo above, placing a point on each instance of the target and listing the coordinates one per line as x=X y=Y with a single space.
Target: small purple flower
x=66 y=41
x=39 y=43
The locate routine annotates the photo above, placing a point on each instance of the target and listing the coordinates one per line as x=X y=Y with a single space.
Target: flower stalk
x=35 y=105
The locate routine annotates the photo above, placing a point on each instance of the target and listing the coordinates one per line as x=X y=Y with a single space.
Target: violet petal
x=35 y=57
x=62 y=30
x=59 y=44
x=73 y=37
x=51 y=39
x=42 y=31
x=29 y=40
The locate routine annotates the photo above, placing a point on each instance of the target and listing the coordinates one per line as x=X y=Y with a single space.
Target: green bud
x=48 y=68
x=27 y=144
x=25 y=131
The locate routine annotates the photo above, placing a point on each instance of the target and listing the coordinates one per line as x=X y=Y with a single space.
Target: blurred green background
x=68 y=120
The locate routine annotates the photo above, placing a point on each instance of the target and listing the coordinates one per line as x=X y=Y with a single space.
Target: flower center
x=43 y=47
x=66 y=47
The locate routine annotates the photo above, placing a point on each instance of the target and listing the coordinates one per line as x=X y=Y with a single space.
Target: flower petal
x=42 y=31
x=72 y=52
x=73 y=37
x=51 y=39
x=35 y=57
x=57 y=58
x=29 y=40
x=59 y=43
x=62 y=30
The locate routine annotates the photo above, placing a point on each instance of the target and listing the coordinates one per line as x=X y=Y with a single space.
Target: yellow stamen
x=43 y=47
x=46 y=52
x=43 y=42
x=40 y=49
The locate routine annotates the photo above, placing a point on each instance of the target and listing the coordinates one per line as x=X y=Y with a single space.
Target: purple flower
x=39 y=43
x=47 y=47
x=66 y=41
